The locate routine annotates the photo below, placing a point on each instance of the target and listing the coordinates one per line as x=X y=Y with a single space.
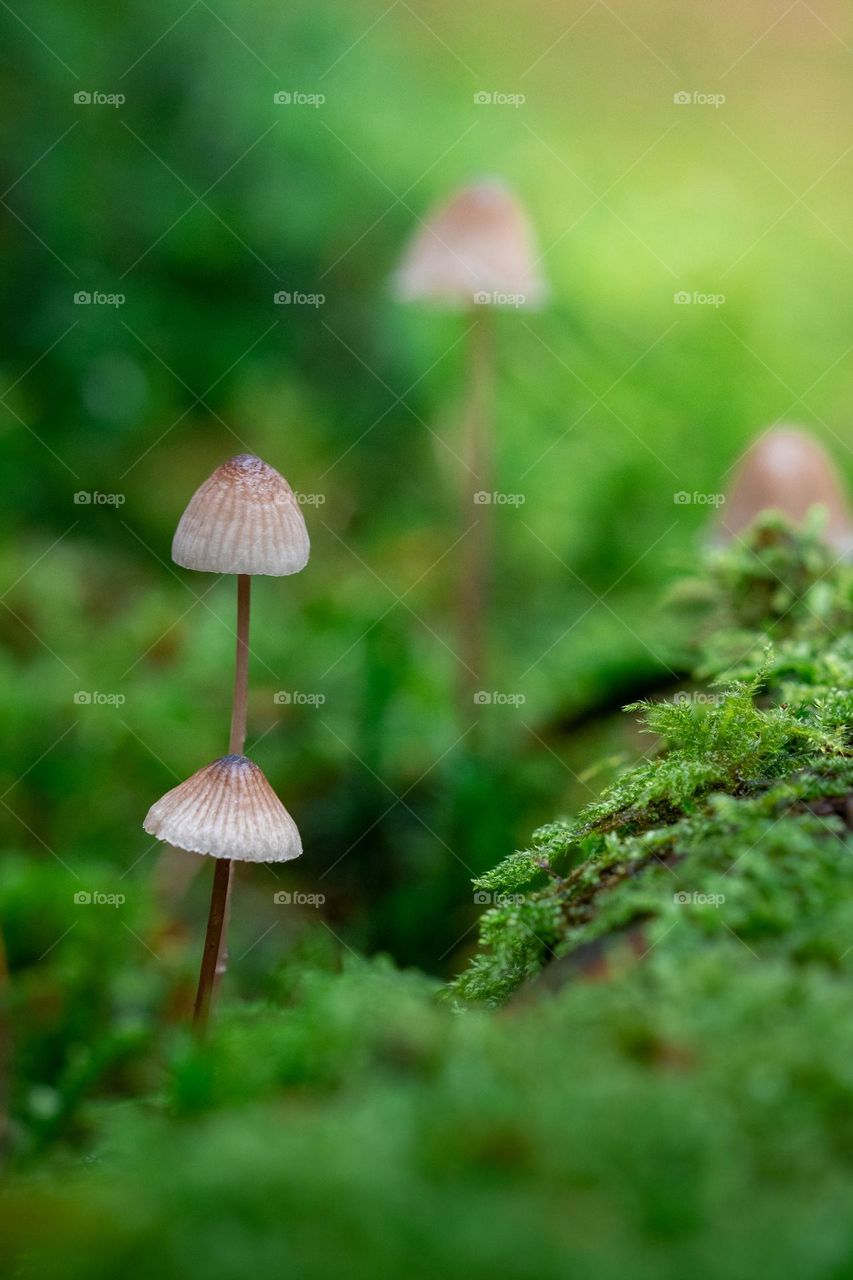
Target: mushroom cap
x=243 y=519
x=227 y=810
x=476 y=247
x=788 y=470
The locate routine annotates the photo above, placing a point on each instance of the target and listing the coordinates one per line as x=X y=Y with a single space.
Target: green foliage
x=689 y=1115
x=784 y=587
x=686 y=1113
x=360 y=401
x=747 y=787
x=690 y=1118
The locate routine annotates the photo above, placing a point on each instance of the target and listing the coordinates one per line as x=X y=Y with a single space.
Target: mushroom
x=474 y=249
x=243 y=520
x=227 y=810
x=474 y=252
x=788 y=470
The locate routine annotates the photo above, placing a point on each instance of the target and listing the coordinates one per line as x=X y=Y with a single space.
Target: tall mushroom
x=229 y=811
x=473 y=253
x=243 y=520
x=788 y=470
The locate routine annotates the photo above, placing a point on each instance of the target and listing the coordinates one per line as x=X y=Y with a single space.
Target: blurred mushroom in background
x=475 y=249
x=787 y=470
x=474 y=252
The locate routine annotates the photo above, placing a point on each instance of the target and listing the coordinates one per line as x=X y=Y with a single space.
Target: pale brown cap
x=789 y=471
x=227 y=810
x=478 y=247
x=243 y=519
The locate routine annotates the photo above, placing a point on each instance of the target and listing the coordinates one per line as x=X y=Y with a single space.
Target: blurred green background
x=197 y=199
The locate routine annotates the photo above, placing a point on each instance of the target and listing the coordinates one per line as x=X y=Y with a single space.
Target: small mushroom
x=788 y=470
x=475 y=249
x=243 y=519
x=226 y=810
x=474 y=253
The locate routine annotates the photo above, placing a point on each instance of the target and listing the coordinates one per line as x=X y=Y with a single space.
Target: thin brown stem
x=477 y=497
x=212 y=941
x=241 y=668
x=214 y=960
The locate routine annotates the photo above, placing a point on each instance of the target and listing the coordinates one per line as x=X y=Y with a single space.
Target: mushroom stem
x=212 y=941
x=241 y=668
x=214 y=961
x=475 y=565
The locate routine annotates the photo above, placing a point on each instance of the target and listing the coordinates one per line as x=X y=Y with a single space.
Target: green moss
x=746 y=797
x=669 y=1092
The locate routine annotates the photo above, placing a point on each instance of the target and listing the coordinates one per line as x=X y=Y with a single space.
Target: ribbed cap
x=244 y=519
x=788 y=470
x=228 y=810
x=475 y=248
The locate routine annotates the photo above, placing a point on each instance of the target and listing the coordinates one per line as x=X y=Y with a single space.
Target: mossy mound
x=668 y=1094
x=739 y=823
